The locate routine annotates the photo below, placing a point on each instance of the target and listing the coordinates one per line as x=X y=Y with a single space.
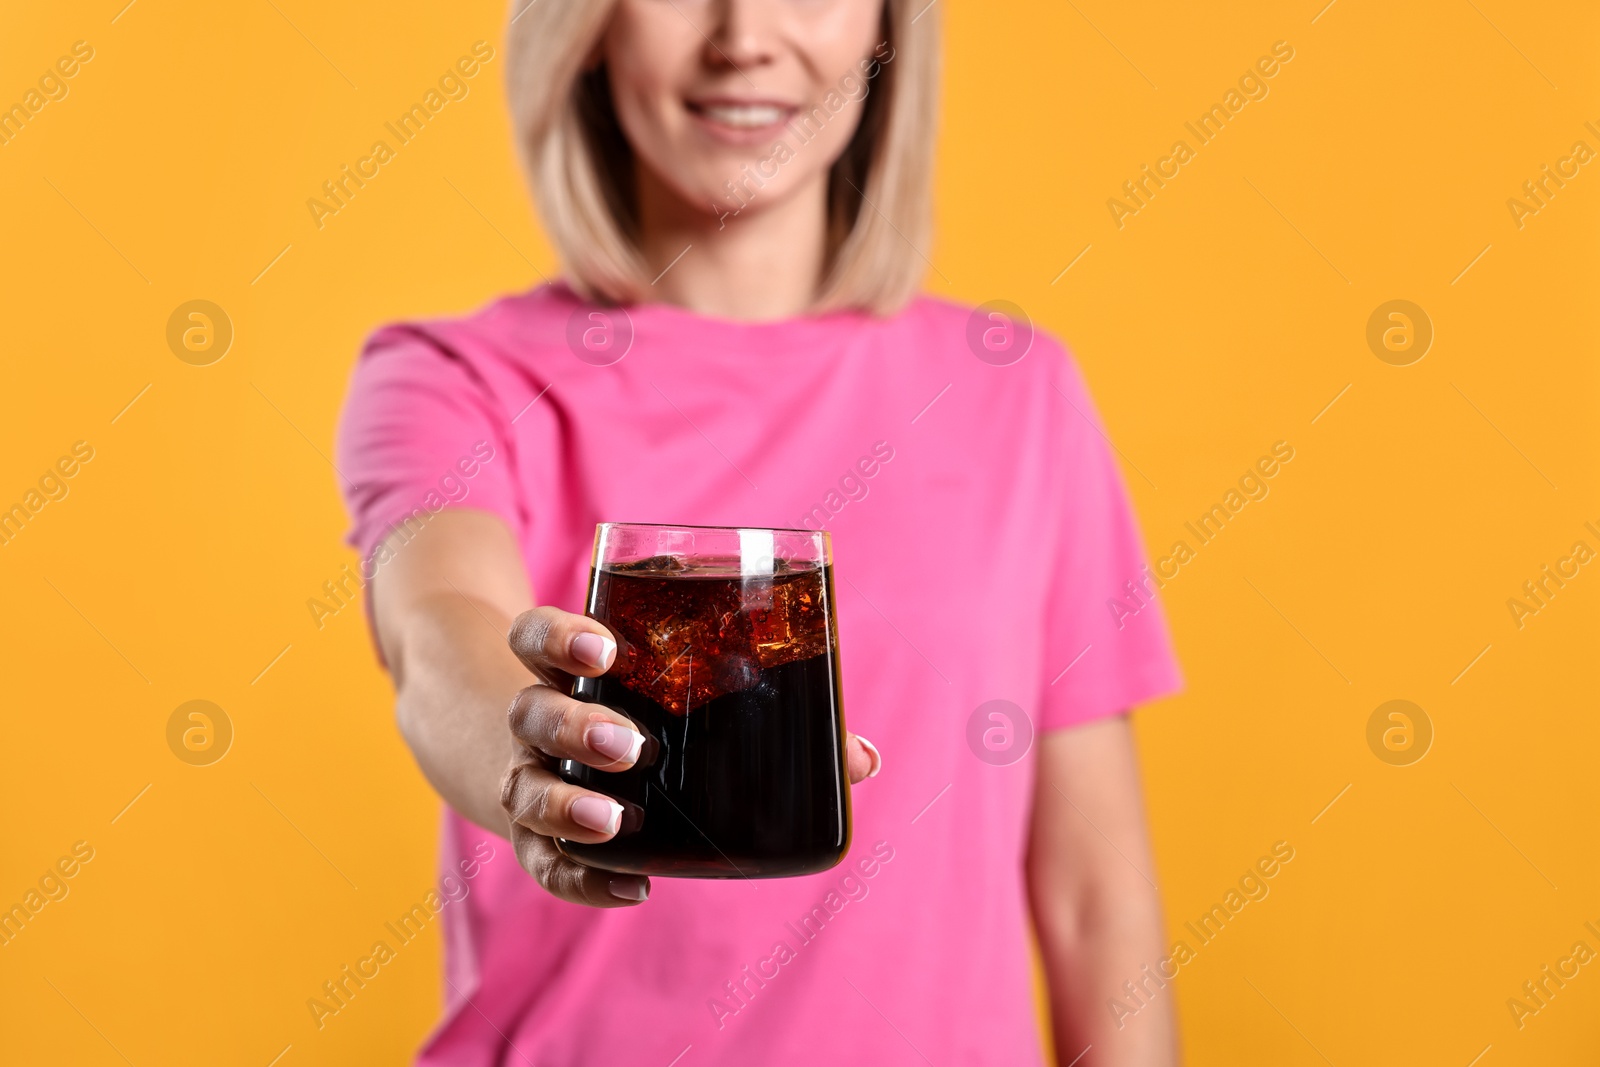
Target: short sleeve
x=1107 y=648
x=420 y=433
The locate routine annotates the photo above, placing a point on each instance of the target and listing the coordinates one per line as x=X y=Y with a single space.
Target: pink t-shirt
x=980 y=532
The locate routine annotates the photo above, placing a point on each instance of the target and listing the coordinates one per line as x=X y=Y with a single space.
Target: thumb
x=861 y=758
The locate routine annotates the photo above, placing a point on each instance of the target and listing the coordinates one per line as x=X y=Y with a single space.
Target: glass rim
x=720 y=529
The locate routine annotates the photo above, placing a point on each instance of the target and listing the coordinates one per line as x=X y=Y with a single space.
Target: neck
x=764 y=263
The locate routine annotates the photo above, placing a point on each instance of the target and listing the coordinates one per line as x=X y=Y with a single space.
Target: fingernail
x=597 y=814
x=614 y=742
x=593 y=650
x=630 y=888
x=877 y=757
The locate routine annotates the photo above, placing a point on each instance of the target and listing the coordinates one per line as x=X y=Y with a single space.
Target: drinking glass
x=728 y=662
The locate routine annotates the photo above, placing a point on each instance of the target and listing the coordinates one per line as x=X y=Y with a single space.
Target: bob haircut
x=581 y=167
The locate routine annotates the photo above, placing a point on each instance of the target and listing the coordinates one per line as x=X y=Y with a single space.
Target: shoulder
x=511 y=331
x=959 y=322
x=470 y=372
x=997 y=341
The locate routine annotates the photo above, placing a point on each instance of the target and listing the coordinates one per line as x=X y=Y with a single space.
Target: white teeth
x=746 y=115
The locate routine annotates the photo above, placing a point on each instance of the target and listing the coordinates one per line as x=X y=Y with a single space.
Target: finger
x=562 y=877
x=537 y=799
x=861 y=758
x=549 y=639
x=563 y=728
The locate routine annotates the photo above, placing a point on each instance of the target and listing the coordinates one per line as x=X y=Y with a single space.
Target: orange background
x=1223 y=317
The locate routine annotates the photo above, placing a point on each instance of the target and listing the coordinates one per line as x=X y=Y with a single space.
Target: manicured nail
x=597 y=814
x=630 y=888
x=593 y=650
x=614 y=742
x=877 y=757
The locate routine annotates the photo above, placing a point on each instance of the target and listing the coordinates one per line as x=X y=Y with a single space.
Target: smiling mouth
x=741 y=115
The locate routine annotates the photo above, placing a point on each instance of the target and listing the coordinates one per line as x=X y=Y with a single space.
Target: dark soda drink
x=733 y=678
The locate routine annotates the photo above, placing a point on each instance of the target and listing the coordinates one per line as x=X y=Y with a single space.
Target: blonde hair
x=581 y=166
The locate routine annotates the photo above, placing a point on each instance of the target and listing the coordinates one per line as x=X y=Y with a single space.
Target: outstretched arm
x=481 y=678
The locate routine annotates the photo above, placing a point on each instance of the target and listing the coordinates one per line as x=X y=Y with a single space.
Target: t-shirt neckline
x=796 y=333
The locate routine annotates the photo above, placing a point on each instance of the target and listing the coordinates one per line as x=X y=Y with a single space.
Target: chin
x=747 y=182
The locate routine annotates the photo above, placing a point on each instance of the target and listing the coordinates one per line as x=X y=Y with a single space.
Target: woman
x=739 y=191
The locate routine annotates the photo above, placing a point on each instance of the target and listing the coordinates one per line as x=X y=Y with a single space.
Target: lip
x=700 y=109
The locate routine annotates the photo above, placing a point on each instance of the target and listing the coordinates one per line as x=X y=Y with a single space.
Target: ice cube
x=687 y=640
